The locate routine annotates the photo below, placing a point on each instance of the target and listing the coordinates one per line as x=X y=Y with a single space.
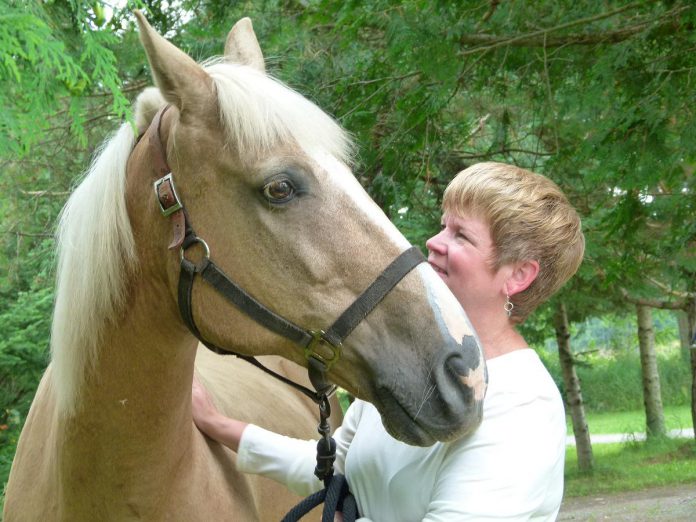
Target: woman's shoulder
x=521 y=377
x=518 y=362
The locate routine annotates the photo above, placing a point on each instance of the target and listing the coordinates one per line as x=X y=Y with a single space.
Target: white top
x=511 y=468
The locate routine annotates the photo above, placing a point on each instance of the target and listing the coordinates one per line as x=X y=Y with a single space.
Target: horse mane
x=95 y=243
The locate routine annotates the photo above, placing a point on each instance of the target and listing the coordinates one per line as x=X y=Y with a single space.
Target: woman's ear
x=523 y=274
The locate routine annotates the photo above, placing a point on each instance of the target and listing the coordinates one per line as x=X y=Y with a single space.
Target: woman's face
x=462 y=255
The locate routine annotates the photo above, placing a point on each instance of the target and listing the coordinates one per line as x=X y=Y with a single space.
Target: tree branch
x=654 y=303
x=491 y=9
x=385 y=79
x=543 y=38
x=671 y=291
x=28 y=234
x=40 y=193
x=506 y=150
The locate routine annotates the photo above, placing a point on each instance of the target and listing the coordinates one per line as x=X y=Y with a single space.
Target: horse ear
x=243 y=47
x=180 y=79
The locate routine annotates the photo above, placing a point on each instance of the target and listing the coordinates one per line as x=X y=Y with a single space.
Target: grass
x=676 y=417
x=632 y=466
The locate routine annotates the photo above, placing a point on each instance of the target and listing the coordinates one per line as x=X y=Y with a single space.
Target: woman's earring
x=508 y=306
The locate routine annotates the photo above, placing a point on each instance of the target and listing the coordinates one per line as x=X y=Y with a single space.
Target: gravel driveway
x=665 y=504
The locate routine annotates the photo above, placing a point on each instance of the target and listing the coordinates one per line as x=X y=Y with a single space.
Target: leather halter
x=316 y=344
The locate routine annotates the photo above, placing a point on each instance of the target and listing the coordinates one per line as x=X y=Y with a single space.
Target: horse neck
x=132 y=426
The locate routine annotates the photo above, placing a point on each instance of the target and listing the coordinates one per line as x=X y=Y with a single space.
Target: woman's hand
x=210 y=421
x=203 y=409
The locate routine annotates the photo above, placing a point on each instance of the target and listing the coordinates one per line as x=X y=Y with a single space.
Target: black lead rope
x=336 y=498
x=336 y=495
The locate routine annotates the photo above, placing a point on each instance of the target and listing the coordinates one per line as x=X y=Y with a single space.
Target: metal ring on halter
x=195 y=240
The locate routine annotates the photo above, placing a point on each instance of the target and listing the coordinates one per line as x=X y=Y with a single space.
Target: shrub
x=611 y=380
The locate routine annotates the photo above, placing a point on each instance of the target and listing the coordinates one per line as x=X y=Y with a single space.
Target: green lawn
x=676 y=417
x=632 y=466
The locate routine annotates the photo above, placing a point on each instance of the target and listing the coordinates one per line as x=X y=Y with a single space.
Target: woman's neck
x=503 y=344
x=498 y=336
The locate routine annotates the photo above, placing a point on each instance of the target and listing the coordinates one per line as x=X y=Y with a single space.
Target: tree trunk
x=684 y=335
x=654 y=414
x=573 y=394
x=691 y=320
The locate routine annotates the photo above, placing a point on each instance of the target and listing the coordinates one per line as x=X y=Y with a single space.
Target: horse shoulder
x=244 y=392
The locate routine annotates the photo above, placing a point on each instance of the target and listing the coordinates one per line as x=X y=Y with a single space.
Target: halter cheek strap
x=169 y=202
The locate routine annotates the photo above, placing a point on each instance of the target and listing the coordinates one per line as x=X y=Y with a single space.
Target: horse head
x=264 y=176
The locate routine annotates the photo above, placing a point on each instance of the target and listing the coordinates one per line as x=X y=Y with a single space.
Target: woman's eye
x=279 y=191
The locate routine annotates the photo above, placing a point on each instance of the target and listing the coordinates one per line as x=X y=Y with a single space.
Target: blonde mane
x=95 y=244
x=94 y=237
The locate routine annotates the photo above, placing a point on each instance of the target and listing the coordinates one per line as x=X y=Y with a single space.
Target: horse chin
x=413 y=435
x=407 y=428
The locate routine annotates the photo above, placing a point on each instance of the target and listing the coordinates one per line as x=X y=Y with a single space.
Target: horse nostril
x=466 y=359
x=455 y=364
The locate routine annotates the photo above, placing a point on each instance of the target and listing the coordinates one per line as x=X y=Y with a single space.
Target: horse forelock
x=259 y=112
x=95 y=249
x=146 y=106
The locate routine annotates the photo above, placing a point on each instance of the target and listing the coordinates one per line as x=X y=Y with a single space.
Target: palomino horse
x=263 y=175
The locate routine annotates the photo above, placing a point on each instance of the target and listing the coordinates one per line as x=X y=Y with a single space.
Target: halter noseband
x=322 y=349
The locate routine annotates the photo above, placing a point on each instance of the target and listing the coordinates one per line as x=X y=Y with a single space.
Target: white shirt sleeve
x=292 y=461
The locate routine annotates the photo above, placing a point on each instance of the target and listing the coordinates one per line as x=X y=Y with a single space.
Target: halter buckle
x=167 y=197
x=311 y=350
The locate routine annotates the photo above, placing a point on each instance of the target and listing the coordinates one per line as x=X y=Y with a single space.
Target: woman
x=509 y=240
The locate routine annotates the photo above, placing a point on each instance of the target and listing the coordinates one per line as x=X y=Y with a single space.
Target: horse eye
x=279 y=191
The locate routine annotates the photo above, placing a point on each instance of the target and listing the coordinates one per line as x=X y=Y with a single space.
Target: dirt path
x=667 y=504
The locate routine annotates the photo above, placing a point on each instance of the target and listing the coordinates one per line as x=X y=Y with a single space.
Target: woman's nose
x=436 y=244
